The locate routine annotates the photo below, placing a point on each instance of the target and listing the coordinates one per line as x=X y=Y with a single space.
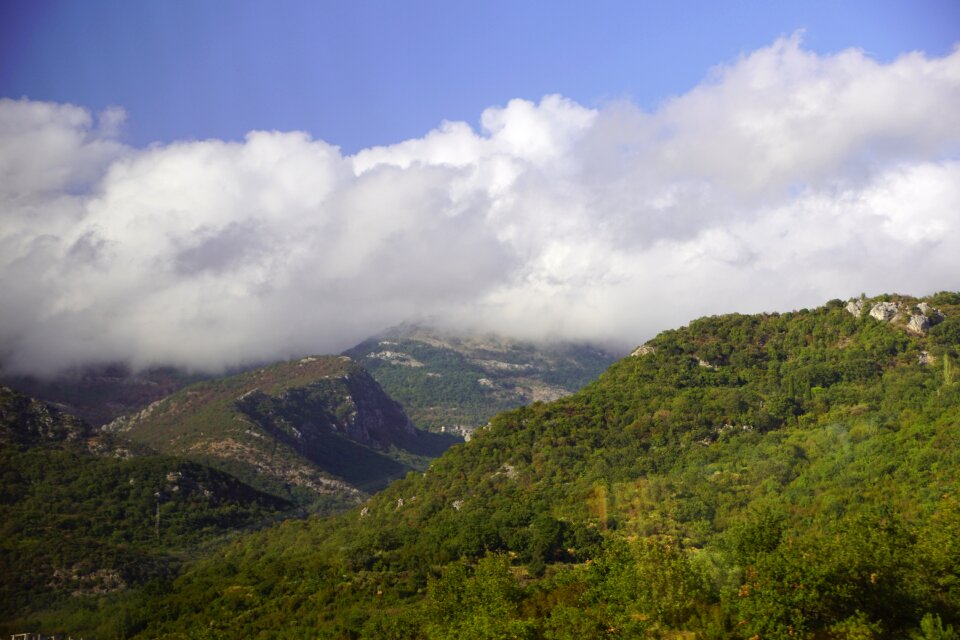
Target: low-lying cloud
x=785 y=179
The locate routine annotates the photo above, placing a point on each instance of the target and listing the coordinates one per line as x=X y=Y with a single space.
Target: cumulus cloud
x=784 y=179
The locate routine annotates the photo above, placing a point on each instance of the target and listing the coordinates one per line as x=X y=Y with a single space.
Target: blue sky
x=216 y=183
x=362 y=73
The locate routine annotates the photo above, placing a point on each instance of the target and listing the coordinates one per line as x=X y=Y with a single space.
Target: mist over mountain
x=784 y=178
x=777 y=475
x=456 y=383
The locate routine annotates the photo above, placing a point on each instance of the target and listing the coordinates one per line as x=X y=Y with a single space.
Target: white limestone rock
x=928 y=316
x=855 y=308
x=884 y=311
x=643 y=350
x=918 y=323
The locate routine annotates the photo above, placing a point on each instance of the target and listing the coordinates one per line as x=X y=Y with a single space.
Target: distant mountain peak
x=456 y=381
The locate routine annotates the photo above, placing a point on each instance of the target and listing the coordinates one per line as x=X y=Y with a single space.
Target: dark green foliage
x=475 y=602
x=947 y=335
x=76 y=526
x=78 y=530
x=782 y=476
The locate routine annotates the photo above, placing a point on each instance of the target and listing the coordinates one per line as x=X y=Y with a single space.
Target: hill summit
x=781 y=475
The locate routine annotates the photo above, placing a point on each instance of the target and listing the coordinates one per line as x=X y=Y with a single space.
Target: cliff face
x=301 y=429
x=351 y=404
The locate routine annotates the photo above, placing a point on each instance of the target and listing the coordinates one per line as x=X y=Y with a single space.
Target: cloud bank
x=784 y=179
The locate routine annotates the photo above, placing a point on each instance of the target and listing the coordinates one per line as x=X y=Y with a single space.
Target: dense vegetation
x=76 y=529
x=446 y=381
x=774 y=476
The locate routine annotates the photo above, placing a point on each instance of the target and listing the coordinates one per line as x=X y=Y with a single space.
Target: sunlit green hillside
x=787 y=475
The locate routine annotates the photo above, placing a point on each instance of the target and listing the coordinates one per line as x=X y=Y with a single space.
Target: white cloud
x=49 y=147
x=786 y=178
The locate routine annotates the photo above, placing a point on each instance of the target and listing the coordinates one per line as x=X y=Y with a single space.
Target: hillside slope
x=317 y=428
x=775 y=476
x=75 y=526
x=457 y=382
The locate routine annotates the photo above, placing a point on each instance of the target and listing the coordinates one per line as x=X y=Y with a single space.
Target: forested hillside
x=773 y=476
x=77 y=529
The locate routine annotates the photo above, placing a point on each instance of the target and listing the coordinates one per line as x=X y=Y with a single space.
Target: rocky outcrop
x=27 y=421
x=855 y=308
x=926 y=318
x=123 y=423
x=643 y=350
x=925 y=315
x=396 y=357
x=918 y=323
x=82 y=579
x=884 y=311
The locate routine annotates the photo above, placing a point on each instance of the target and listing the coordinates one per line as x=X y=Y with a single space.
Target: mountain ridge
x=100 y=393
x=687 y=490
x=781 y=475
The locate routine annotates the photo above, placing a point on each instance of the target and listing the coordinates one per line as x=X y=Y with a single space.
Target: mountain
x=456 y=382
x=75 y=526
x=316 y=430
x=28 y=421
x=101 y=393
x=790 y=475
